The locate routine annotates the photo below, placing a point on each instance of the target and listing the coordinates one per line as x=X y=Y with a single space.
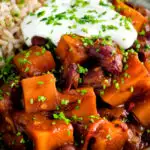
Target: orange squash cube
x=106 y=135
x=46 y=134
x=39 y=93
x=82 y=103
x=34 y=62
x=147 y=65
x=137 y=18
x=142 y=110
x=70 y=49
x=141 y=100
x=116 y=95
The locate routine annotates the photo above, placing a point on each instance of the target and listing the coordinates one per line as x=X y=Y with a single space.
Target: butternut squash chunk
x=39 y=93
x=137 y=18
x=141 y=101
x=71 y=50
x=46 y=134
x=122 y=89
x=147 y=65
x=142 y=87
x=142 y=111
x=106 y=136
x=82 y=103
x=34 y=62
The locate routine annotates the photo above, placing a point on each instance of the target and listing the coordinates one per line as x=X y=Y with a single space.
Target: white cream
x=122 y=32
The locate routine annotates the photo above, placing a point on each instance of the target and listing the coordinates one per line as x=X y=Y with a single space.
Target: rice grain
x=11 y=16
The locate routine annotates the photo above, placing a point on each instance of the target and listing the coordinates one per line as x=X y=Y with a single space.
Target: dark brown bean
x=108 y=56
x=71 y=77
x=38 y=41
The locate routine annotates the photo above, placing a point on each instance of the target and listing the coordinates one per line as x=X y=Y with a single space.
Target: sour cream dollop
x=82 y=17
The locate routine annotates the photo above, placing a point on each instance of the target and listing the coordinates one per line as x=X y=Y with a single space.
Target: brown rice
x=11 y=15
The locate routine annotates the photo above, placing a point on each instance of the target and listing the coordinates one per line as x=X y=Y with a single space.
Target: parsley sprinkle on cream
x=86 y=18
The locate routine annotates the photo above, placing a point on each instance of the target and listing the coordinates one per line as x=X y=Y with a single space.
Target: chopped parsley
x=22 y=141
x=115 y=17
x=23 y=61
x=107 y=41
x=83 y=91
x=131 y=89
x=7 y=72
x=31 y=14
x=40 y=82
x=87 y=41
x=147 y=47
x=102 y=14
x=43 y=50
x=64 y=102
x=125 y=22
x=31 y=101
x=117 y=86
x=27 y=69
x=93 y=118
x=101 y=93
x=142 y=33
x=108 y=137
x=81 y=69
x=87 y=19
x=75 y=118
x=20 y=2
x=73 y=26
x=18 y=134
x=77 y=107
x=85 y=30
x=102 y=3
x=42 y=98
x=108 y=27
x=79 y=101
x=68 y=132
x=81 y=3
x=53 y=123
x=61 y=116
x=148 y=130
x=41 y=13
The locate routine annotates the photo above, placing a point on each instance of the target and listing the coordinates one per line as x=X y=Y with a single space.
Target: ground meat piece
x=71 y=76
x=108 y=56
x=96 y=78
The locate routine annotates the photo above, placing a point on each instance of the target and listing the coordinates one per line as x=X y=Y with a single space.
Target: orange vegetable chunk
x=46 y=134
x=126 y=82
x=34 y=62
x=141 y=101
x=142 y=110
x=82 y=103
x=137 y=18
x=147 y=65
x=107 y=136
x=39 y=93
x=71 y=49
